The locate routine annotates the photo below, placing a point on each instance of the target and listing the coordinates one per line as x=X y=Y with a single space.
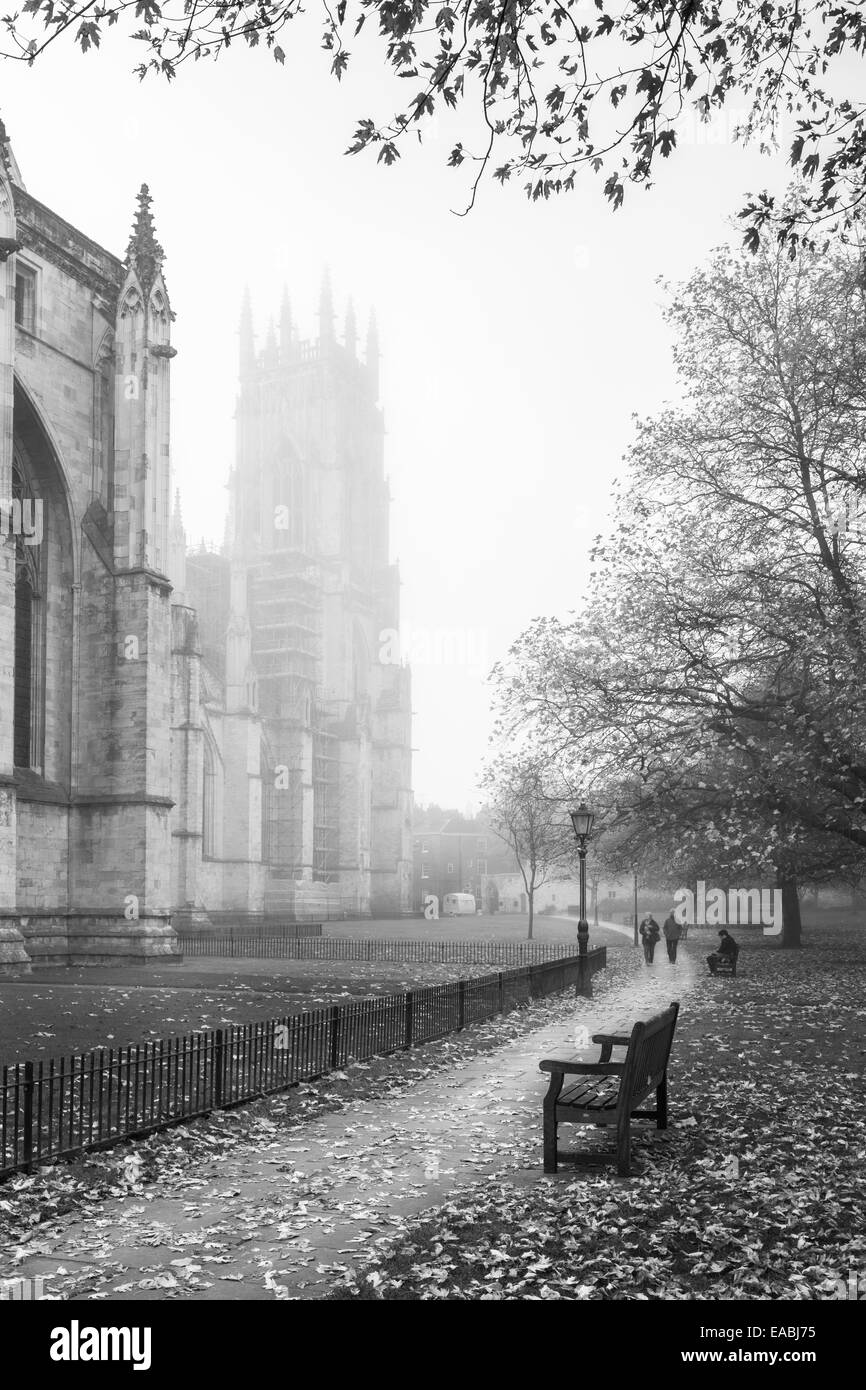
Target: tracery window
x=23 y=527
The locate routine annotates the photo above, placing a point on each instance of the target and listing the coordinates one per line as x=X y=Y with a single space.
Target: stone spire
x=247 y=344
x=142 y=429
x=4 y=150
x=326 y=310
x=350 y=336
x=371 y=357
x=144 y=252
x=8 y=162
x=270 y=356
x=177 y=552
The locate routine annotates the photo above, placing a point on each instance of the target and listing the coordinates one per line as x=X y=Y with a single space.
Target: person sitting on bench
x=727 y=948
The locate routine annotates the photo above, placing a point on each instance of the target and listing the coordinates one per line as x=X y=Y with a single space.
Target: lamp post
x=635 y=909
x=581 y=821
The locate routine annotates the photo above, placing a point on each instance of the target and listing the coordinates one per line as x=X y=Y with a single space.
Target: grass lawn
x=502 y=926
x=755 y=1192
x=57 y=1012
x=54 y=1012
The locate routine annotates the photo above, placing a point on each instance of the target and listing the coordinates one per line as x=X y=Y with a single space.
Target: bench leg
x=550 y=1126
x=662 y=1103
x=623 y=1147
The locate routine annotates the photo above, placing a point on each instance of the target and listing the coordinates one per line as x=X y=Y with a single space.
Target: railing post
x=335 y=1037
x=218 y=1068
x=501 y=992
x=410 y=1010
x=28 y=1114
x=584 y=977
x=461 y=1004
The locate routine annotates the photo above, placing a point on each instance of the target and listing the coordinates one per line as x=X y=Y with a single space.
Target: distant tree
x=545 y=87
x=529 y=820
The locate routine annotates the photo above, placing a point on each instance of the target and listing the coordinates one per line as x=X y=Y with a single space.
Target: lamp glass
x=582 y=820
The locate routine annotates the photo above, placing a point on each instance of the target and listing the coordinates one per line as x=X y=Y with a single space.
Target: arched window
x=289 y=510
x=208 y=807
x=26 y=520
x=158 y=317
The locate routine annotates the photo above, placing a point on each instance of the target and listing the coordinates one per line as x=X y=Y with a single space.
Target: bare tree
x=529 y=820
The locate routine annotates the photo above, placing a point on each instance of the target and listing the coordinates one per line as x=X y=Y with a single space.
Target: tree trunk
x=791 y=924
x=531 y=897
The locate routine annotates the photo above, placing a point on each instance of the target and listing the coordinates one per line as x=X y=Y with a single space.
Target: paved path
x=606 y=927
x=281 y=1216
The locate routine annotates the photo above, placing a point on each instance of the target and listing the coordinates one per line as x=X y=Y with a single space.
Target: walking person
x=673 y=931
x=650 y=934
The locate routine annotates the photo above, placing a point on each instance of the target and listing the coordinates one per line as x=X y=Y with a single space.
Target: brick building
x=458 y=856
x=159 y=762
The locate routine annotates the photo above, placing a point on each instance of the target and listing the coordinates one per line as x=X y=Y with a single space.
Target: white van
x=458 y=904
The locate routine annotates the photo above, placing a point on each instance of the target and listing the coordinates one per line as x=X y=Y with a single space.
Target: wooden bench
x=726 y=965
x=609 y=1093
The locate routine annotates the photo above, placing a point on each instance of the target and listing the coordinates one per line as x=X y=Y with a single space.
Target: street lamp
x=581 y=821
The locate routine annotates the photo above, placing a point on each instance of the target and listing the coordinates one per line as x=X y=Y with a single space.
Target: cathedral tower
x=310 y=535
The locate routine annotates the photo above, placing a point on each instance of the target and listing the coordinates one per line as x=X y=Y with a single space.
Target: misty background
x=517 y=341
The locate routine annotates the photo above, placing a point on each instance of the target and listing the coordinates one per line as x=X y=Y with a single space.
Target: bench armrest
x=578 y=1068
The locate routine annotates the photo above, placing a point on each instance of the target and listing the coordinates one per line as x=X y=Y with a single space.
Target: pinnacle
x=144 y=252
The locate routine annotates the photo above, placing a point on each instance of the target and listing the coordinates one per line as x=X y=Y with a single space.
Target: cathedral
x=187 y=737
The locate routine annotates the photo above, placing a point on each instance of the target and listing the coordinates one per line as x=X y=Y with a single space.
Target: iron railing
x=63 y=1107
x=260 y=946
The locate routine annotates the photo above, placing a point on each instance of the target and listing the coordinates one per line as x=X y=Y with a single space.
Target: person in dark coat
x=673 y=931
x=650 y=934
x=727 y=947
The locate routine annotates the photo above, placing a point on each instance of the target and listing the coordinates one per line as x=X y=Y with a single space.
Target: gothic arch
x=289 y=494
x=128 y=333
x=132 y=302
x=45 y=572
x=159 y=315
x=34 y=432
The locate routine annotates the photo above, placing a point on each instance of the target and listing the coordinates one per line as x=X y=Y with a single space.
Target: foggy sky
x=517 y=342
